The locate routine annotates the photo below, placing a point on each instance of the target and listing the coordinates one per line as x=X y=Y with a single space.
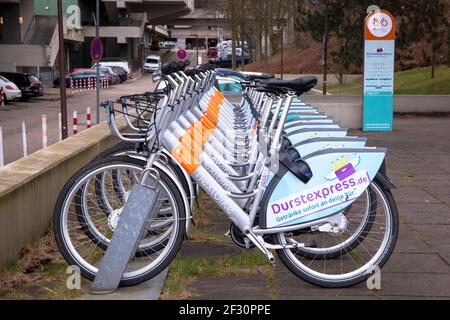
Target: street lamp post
x=62 y=73
x=97 y=35
x=325 y=43
x=196 y=41
x=282 y=53
x=325 y=51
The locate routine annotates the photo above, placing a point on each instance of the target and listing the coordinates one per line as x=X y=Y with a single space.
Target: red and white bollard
x=2 y=97
x=60 y=126
x=24 y=139
x=72 y=84
x=75 y=123
x=2 y=154
x=44 y=132
x=88 y=118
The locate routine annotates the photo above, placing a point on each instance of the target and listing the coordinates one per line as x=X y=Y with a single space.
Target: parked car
x=10 y=91
x=82 y=75
x=29 y=84
x=152 y=64
x=118 y=74
x=121 y=72
x=213 y=53
x=225 y=61
x=75 y=70
x=168 y=44
x=116 y=62
x=109 y=72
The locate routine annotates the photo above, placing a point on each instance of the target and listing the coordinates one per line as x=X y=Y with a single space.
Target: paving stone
x=438 y=237
x=432 y=180
x=413 y=195
x=408 y=243
x=415 y=285
x=291 y=287
x=416 y=263
x=424 y=168
x=248 y=287
x=418 y=213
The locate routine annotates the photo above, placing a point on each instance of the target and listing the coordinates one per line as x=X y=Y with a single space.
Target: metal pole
x=62 y=73
x=282 y=53
x=325 y=51
x=196 y=40
x=97 y=35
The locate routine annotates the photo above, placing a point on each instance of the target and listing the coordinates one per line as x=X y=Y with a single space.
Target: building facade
x=29 y=33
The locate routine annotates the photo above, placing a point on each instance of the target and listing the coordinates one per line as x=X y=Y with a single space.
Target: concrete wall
x=29 y=187
x=22 y=55
x=348 y=110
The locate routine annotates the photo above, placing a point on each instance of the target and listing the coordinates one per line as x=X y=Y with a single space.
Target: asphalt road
x=12 y=115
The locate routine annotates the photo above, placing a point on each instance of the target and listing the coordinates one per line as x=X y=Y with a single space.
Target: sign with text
x=379 y=60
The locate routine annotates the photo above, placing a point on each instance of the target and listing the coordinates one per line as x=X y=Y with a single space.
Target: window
x=33 y=78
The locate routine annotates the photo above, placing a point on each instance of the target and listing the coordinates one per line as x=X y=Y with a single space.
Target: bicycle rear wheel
x=354 y=264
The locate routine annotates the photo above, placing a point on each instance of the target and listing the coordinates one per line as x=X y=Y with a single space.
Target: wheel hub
x=336 y=225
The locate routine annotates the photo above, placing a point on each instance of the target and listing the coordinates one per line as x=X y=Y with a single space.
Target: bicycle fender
x=339 y=177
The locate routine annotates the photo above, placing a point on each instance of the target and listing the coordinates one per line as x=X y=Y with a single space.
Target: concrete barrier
x=348 y=110
x=30 y=187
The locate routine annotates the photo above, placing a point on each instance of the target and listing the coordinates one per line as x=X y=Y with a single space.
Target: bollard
x=71 y=86
x=75 y=123
x=2 y=157
x=60 y=126
x=88 y=118
x=24 y=139
x=2 y=97
x=44 y=132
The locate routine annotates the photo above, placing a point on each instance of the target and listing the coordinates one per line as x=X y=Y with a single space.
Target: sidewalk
x=418 y=163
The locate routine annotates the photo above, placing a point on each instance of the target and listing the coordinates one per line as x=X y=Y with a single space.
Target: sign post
x=379 y=59
x=96 y=56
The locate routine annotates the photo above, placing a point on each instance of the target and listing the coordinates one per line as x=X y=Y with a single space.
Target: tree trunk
x=234 y=35
x=433 y=63
x=448 y=42
x=259 y=47
x=266 y=34
x=242 y=33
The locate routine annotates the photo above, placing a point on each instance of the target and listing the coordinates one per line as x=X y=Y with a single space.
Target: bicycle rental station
x=290 y=179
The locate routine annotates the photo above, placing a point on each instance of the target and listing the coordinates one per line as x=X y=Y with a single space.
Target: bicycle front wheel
x=83 y=240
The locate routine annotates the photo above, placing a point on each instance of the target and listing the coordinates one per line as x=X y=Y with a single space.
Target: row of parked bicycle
x=289 y=178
